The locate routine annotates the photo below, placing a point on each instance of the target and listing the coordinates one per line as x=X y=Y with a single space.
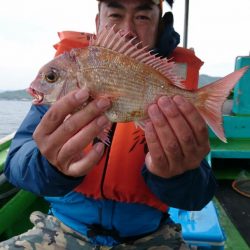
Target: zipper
x=108 y=148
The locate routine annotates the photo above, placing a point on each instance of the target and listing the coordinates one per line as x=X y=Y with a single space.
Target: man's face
x=138 y=18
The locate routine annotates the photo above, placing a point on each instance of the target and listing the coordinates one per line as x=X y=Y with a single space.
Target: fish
x=131 y=76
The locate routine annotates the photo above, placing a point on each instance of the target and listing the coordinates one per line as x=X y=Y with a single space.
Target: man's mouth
x=38 y=96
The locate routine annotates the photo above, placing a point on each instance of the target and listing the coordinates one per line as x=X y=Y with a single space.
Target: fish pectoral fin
x=112 y=97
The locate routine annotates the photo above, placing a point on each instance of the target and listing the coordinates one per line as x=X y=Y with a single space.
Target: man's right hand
x=63 y=133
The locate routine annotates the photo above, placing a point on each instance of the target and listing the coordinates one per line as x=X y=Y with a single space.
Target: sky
x=218 y=32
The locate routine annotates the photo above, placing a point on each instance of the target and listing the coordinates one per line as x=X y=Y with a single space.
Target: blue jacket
x=28 y=169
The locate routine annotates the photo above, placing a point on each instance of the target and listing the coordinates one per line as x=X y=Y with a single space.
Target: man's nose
x=128 y=28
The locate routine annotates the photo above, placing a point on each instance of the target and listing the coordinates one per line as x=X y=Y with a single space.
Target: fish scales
x=105 y=78
x=132 y=85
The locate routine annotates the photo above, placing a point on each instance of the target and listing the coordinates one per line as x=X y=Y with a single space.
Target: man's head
x=138 y=18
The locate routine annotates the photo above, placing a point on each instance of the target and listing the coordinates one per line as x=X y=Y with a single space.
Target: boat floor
x=237 y=208
x=235 y=205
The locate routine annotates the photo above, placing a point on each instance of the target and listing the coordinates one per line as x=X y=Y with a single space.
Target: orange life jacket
x=118 y=175
x=188 y=66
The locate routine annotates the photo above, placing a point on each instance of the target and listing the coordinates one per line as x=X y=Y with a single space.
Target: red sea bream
x=131 y=76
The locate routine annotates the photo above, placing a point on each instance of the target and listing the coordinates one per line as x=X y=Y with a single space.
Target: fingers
x=164 y=131
x=86 y=162
x=181 y=129
x=80 y=140
x=194 y=119
x=80 y=120
x=156 y=155
x=176 y=135
x=63 y=133
x=57 y=112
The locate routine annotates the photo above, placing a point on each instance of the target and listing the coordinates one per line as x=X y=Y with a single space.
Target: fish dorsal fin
x=115 y=41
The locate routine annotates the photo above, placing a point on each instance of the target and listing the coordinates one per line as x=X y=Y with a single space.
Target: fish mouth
x=38 y=96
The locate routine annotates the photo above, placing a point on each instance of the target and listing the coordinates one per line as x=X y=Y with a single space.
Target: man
x=115 y=197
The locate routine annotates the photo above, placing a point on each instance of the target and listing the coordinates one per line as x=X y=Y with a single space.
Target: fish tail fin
x=211 y=98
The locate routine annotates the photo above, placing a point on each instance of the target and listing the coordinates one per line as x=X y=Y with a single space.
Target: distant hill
x=206 y=79
x=15 y=95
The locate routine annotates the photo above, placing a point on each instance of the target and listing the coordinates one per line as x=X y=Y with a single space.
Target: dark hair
x=99 y=6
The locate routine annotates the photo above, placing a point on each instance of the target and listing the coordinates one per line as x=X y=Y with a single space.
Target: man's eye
x=115 y=15
x=142 y=17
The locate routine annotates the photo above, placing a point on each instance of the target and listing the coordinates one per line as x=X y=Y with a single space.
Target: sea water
x=12 y=114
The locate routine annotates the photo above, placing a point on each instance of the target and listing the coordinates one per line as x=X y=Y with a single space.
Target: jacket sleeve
x=189 y=191
x=26 y=168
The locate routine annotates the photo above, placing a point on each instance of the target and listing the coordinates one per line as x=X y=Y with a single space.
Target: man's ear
x=97 y=22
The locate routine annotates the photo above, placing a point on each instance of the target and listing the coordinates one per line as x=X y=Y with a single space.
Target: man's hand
x=63 y=133
x=177 y=137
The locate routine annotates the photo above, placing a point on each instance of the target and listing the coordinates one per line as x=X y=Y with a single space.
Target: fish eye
x=51 y=76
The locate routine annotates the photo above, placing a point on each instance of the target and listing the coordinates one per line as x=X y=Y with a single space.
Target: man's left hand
x=177 y=137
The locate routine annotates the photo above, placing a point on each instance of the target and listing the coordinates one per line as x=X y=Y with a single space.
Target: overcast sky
x=218 y=31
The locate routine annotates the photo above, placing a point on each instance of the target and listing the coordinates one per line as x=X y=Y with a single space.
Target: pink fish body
x=131 y=77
